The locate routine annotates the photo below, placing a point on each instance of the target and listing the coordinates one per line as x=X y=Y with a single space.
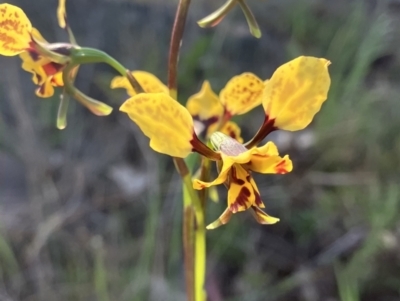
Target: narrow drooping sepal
x=224 y=218
x=262 y=217
x=296 y=92
x=251 y=20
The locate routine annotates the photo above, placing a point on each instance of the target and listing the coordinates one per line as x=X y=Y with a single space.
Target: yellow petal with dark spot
x=296 y=92
x=167 y=123
x=15 y=29
x=266 y=160
x=241 y=194
x=39 y=76
x=46 y=89
x=242 y=94
x=149 y=82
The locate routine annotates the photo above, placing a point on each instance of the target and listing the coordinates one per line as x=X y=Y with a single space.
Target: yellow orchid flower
x=210 y=111
x=237 y=164
x=18 y=37
x=241 y=94
x=291 y=98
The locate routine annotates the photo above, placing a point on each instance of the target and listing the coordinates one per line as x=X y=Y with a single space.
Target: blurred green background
x=91 y=213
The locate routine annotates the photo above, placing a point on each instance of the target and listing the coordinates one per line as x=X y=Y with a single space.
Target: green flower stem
x=194 y=273
x=175 y=45
x=188 y=225
x=197 y=228
x=86 y=55
x=217 y=16
x=91 y=55
x=95 y=106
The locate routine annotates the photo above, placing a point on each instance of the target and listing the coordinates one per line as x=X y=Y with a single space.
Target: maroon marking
x=34 y=55
x=202 y=149
x=206 y=122
x=280 y=169
x=234 y=177
x=241 y=200
x=266 y=128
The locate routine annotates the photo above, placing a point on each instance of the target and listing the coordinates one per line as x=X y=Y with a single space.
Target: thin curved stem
x=194 y=268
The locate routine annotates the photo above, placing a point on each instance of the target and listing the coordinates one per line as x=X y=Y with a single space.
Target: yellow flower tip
x=15 y=30
x=242 y=93
x=262 y=217
x=205 y=104
x=61 y=14
x=166 y=122
x=296 y=92
x=199 y=185
x=206 y=109
x=284 y=166
x=222 y=220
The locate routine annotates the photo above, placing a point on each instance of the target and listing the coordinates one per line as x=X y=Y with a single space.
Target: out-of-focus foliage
x=90 y=213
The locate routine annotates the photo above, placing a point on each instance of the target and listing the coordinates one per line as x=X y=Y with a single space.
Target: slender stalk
x=194 y=269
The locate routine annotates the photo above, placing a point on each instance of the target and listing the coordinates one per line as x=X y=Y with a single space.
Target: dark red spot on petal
x=234 y=177
x=280 y=168
x=242 y=200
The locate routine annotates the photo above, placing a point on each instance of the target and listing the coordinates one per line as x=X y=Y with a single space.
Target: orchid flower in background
x=44 y=60
x=52 y=64
x=291 y=98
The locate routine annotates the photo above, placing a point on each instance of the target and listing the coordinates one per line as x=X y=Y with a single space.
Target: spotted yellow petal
x=232 y=130
x=263 y=218
x=167 y=123
x=149 y=82
x=45 y=73
x=241 y=193
x=242 y=94
x=296 y=92
x=205 y=104
x=15 y=29
x=61 y=13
